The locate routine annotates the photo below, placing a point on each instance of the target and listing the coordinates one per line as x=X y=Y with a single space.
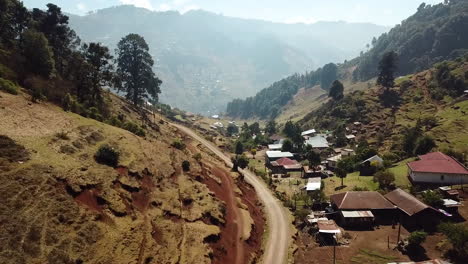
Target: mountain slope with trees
x=423 y=110
x=433 y=34
x=91 y=177
x=215 y=59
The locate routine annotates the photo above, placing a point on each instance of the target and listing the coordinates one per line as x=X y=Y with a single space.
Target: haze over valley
x=206 y=59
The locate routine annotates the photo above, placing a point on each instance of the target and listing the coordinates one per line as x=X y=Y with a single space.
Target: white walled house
x=437 y=168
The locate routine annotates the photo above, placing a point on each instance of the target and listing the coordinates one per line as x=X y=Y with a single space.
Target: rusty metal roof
x=406 y=202
x=361 y=201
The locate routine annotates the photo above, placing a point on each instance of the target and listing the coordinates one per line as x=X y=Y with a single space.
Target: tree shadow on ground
x=417 y=253
x=340 y=187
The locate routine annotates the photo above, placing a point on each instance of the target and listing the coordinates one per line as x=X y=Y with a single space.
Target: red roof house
x=437 y=168
x=283 y=165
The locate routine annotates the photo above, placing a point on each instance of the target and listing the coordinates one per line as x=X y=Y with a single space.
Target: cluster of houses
x=365 y=209
x=358 y=209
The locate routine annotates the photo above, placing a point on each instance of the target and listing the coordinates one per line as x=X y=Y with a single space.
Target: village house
x=437 y=168
x=284 y=165
x=362 y=208
x=313 y=184
x=318 y=143
x=309 y=133
x=333 y=161
x=275 y=155
x=313 y=172
x=274 y=147
x=370 y=165
x=414 y=214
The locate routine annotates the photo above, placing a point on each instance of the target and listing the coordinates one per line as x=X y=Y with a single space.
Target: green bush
x=186 y=165
x=433 y=199
x=458 y=237
x=197 y=157
x=134 y=128
x=107 y=155
x=417 y=238
x=385 y=179
x=8 y=86
x=178 y=144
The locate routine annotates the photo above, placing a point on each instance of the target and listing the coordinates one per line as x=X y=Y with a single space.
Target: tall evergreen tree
x=387 y=68
x=336 y=90
x=134 y=67
x=99 y=58
x=329 y=74
x=38 y=53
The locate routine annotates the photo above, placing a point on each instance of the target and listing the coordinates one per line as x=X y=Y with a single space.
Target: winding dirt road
x=276 y=249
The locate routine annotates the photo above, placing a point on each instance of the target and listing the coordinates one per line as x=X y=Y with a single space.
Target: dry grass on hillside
x=57 y=205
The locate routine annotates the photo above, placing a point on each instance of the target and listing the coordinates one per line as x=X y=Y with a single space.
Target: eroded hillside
x=57 y=205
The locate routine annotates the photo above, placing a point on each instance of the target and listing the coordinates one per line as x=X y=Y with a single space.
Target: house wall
x=441 y=178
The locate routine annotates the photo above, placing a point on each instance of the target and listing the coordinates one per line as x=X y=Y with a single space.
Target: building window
x=442 y=177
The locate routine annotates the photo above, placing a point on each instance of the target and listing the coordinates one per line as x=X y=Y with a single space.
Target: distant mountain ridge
x=433 y=34
x=205 y=60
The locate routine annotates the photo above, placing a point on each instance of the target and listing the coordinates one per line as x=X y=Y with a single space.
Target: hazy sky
x=383 y=12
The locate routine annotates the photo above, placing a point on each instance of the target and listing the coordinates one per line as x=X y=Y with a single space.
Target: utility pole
x=334 y=249
x=399 y=231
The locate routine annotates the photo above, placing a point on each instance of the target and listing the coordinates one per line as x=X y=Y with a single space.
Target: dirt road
x=278 y=222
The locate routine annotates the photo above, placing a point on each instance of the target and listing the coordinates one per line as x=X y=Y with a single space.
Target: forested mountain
x=205 y=60
x=428 y=103
x=433 y=34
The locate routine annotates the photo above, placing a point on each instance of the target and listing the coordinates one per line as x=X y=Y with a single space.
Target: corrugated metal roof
x=308 y=132
x=361 y=201
x=406 y=202
x=357 y=214
x=317 y=142
x=437 y=162
x=275 y=146
x=279 y=154
x=313 y=184
x=328 y=226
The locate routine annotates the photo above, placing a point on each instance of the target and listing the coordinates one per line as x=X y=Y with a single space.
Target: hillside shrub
x=178 y=144
x=197 y=157
x=8 y=86
x=186 y=165
x=107 y=155
x=134 y=128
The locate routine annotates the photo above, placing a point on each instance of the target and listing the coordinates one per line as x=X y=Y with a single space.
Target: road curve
x=276 y=250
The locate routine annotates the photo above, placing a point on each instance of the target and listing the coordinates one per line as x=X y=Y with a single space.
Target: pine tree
x=135 y=69
x=387 y=68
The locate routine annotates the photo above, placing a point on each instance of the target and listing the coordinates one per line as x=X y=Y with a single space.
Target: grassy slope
x=111 y=223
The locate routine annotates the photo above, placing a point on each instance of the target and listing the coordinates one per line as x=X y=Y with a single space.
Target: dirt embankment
x=230 y=247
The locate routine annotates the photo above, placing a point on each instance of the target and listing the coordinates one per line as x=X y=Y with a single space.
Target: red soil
x=249 y=197
x=225 y=250
x=88 y=198
x=229 y=248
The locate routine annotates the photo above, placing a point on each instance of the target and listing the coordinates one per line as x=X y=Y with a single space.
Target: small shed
x=313 y=184
x=357 y=218
x=310 y=132
x=275 y=147
x=328 y=231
